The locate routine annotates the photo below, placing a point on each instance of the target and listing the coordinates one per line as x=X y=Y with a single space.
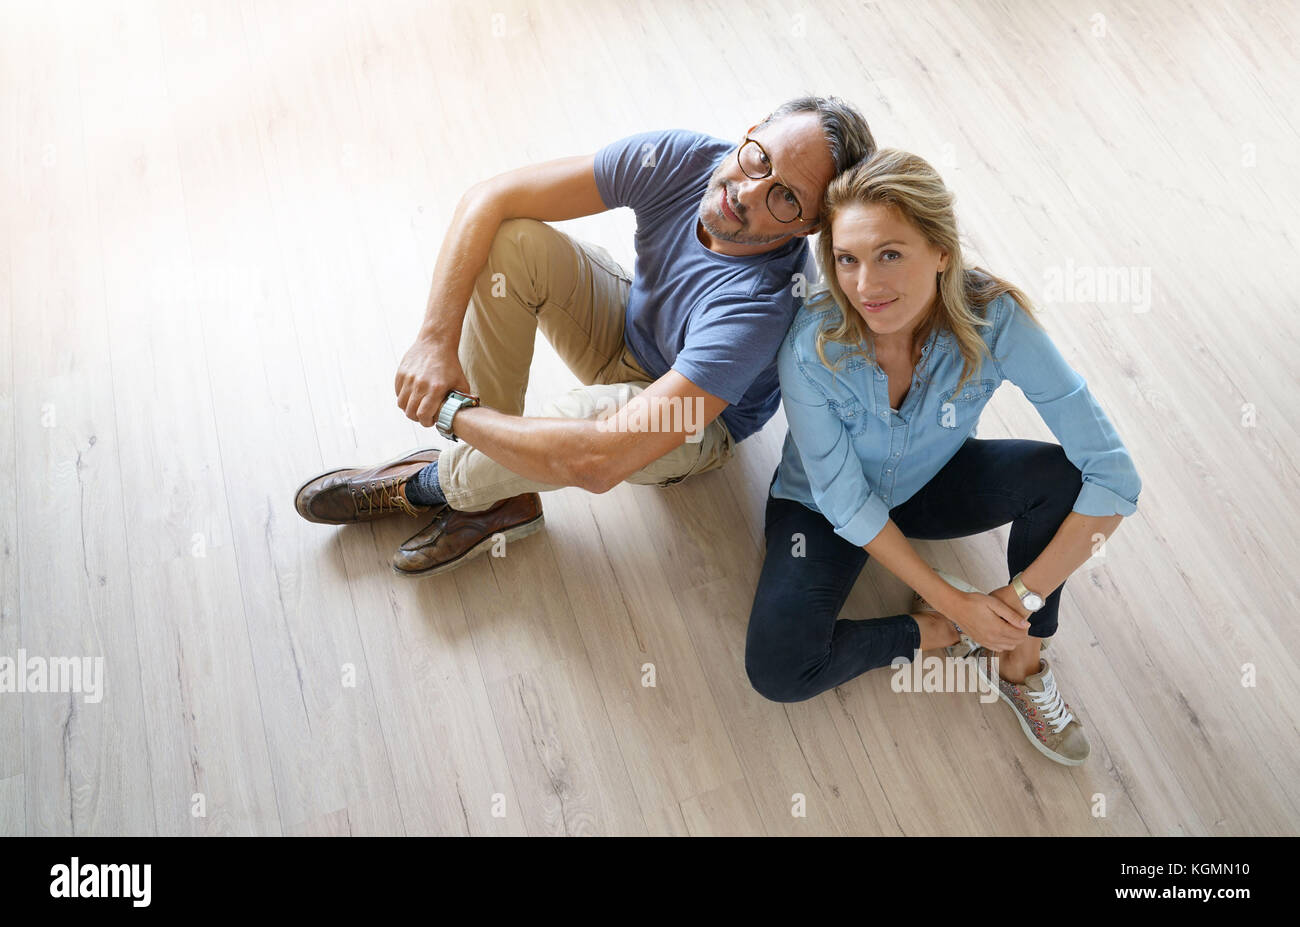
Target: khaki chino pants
x=535 y=276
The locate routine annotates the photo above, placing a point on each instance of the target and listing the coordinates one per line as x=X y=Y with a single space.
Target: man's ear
x=812 y=229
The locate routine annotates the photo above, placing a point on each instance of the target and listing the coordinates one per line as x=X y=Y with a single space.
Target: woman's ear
x=943 y=261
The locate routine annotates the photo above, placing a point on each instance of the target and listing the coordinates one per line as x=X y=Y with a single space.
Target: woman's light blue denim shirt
x=850 y=456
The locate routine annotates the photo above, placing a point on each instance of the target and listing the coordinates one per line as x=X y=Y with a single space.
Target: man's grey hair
x=845 y=128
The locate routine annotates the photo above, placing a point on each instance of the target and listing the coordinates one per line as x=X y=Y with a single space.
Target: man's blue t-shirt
x=717 y=320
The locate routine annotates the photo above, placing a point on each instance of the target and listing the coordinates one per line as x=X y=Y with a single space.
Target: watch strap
x=1025 y=593
x=454 y=402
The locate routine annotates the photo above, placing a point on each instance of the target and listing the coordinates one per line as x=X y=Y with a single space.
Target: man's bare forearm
x=594 y=453
x=559 y=451
x=463 y=253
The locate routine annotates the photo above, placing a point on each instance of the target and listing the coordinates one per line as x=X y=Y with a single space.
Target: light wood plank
x=13 y=814
x=85 y=765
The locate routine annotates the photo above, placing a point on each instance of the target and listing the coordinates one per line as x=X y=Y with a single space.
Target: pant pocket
x=604 y=260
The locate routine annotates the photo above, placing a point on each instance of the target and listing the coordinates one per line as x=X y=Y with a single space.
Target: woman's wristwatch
x=454 y=402
x=1032 y=601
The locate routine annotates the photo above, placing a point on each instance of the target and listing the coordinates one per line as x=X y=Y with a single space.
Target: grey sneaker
x=1045 y=717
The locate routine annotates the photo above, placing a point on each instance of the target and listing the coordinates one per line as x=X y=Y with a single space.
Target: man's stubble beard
x=738 y=238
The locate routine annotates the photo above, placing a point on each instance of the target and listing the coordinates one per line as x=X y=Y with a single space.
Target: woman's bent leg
x=796 y=646
x=987 y=483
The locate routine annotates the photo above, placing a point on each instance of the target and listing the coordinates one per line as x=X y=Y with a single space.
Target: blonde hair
x=908 y=184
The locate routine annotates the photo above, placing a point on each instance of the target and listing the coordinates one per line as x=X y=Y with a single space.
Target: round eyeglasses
x=781 y=202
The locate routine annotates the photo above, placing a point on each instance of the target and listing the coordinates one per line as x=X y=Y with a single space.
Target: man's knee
x=589 y=401
x=506 y=269
x=519 y=229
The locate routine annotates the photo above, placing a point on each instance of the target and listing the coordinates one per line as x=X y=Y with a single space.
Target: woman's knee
x=807 y=572
x=773 y=681
x=771 y=660
x=1054 y=476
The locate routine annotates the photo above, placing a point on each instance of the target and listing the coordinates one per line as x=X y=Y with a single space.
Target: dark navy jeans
x=798 y=647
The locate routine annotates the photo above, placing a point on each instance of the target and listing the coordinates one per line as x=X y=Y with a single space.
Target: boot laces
x=384 y=495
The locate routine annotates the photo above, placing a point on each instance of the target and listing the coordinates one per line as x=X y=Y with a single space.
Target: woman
x=884 y=374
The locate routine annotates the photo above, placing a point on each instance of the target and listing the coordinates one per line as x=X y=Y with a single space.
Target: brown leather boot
x=355 y=494
x=453 y=537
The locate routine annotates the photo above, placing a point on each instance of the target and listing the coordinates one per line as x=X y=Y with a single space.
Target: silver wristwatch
x=454 y=402
x=1032 y=601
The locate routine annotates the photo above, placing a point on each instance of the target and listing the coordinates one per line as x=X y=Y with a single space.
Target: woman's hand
x=988 y=620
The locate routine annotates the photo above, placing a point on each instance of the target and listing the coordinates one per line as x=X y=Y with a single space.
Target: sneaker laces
x=381 y=496
x=1050 y=704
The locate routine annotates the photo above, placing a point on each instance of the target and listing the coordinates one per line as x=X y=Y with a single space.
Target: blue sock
x=423 y=488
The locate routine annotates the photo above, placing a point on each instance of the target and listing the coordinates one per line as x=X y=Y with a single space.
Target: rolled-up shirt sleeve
x=1026 y=355
x=835 y=476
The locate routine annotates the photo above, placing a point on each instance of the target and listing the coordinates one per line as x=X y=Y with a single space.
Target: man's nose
x=751 y=193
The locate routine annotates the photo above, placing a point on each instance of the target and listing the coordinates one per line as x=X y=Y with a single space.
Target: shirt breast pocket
x=852 y=413
x=961 y=409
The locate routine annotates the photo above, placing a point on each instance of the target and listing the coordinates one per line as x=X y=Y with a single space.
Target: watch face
x=1033 y=601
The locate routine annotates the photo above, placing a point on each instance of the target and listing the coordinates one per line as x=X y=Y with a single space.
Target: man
x=678 y=363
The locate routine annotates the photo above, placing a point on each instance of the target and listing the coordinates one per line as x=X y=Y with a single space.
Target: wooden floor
x=218 y=228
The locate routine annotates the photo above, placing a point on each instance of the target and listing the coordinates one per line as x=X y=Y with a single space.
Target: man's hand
x=429 y=371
